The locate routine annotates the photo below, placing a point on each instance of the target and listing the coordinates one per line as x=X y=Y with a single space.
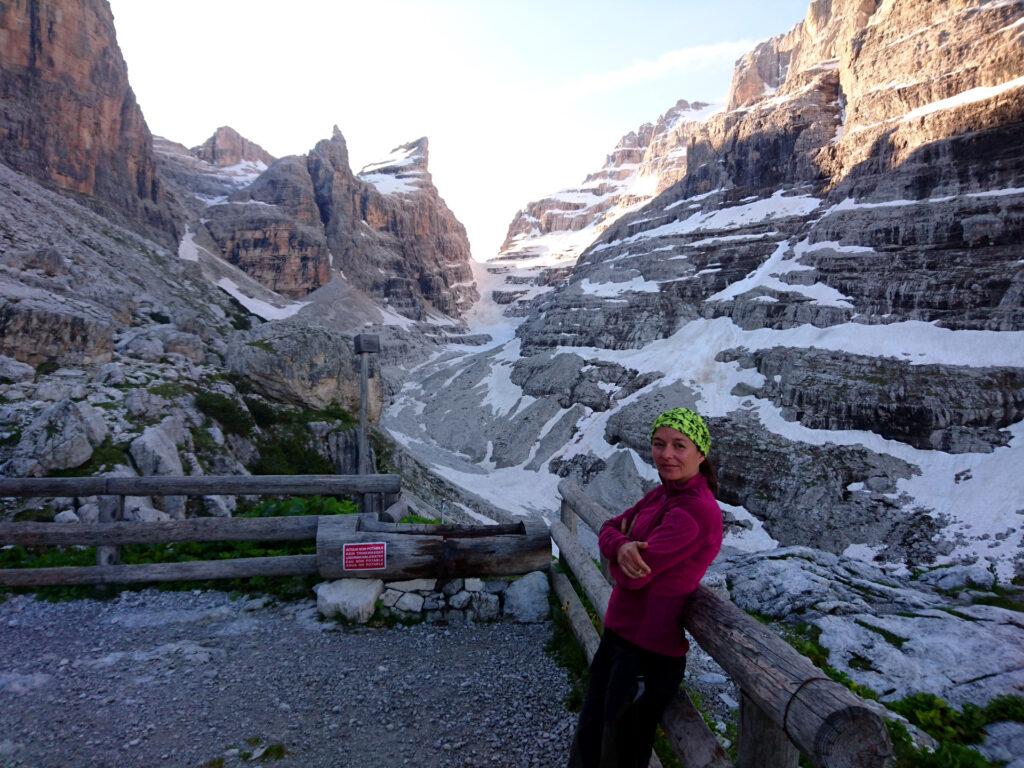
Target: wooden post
x=366 y=344
x=568 y=517
x=762 y=744
x=110 y=554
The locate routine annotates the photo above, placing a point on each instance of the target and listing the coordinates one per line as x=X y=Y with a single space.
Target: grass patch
x=805 y=638
x=225 y=411
x=266 y=346
x=890 y=637
x=1001 y=597
x=420 y=519
x=941 y=721
x=169 y=390
x=106 y=456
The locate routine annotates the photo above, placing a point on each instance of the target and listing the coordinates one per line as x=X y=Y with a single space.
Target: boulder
x=410 y=602
x=63 y=435
x=526 y=599
x=353 y=599
x=486 y=606
x=959 y=576
x=308 y=366
x=13 y=372
x=155 y=452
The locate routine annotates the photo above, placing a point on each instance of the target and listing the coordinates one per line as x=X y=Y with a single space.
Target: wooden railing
x=787 y=705
x=409 y=551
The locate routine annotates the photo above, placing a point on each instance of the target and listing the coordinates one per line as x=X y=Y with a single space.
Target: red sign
x=365 y=556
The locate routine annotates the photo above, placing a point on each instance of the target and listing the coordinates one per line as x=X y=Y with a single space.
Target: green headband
x=689 y=423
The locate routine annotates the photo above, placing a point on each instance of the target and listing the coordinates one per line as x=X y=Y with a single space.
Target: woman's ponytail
x=710 y=475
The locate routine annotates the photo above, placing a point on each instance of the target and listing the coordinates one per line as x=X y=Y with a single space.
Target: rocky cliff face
x=834 y=281
x=643 y=163
x=387 y=231
x=228 y=147
x=69 y=116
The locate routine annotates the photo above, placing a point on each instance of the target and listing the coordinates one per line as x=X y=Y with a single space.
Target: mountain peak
x=228 y=147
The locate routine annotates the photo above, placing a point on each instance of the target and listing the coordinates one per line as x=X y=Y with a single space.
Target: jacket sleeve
x=670 y=544
x=611 y=537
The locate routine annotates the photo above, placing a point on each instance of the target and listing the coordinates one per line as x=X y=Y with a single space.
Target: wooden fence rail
x=787 y=704
x=203 y=485
x=409 y=551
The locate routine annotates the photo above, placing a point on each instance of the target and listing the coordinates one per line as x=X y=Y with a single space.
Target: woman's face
x=675 y=455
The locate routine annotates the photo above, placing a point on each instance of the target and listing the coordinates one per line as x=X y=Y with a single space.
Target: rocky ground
x=181 y=679
x=158 y=678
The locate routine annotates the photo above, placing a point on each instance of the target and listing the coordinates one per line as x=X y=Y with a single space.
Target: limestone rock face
x=835 y=281
x=643 y=163
x=228 y=147
x=386 y=230
x=70 y=118
x=312 y=366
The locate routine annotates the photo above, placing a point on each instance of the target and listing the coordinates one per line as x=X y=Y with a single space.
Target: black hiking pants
x=629 y=690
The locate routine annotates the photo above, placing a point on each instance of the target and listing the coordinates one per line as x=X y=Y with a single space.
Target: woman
x=658 y=551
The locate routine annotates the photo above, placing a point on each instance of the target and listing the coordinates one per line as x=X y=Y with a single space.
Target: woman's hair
x=710 y=475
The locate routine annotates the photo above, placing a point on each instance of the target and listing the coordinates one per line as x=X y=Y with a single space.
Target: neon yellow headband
x=689 y=423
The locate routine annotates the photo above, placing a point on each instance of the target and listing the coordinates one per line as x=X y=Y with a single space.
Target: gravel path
x=181 y=679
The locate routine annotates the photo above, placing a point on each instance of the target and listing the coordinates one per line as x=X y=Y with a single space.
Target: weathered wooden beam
x=592 y=513
x=194 y=529
x=368 y=523
x=568 y=516
x=205 y=485
x=245 y=567
x=690 y=736
x=432 y=554
x=579 y=619
x=597 y=589
x=828 y=723
x=762 y=744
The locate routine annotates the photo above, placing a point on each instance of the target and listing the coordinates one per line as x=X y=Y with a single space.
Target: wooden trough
x=365 y=547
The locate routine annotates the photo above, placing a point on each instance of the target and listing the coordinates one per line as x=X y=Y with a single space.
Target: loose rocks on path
x=183 y=679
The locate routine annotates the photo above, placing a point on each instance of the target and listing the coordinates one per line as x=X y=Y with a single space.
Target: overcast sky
x=519 y=99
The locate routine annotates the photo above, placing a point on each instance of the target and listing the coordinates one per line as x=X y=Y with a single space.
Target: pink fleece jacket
x=682 y=525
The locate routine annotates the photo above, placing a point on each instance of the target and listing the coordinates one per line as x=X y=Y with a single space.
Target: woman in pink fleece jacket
x=658 y=551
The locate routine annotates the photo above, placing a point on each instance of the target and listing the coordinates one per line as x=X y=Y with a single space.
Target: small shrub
x=45 y=369
x=226 y=412
x=290 y=452
x=168 y=389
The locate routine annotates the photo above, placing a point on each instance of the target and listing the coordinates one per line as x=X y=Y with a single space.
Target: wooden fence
x=787 y=705
x=414 y=551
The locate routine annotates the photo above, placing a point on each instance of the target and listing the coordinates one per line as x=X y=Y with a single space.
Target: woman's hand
x=630 y=561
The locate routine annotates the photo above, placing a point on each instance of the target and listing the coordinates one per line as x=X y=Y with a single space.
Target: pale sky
x=519 y=99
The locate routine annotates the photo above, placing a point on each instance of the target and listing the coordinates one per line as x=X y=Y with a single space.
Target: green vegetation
x=226 y=412
x=890 y=637
x=12 y=438
x=106 y=456
x=933 y=715
x=169 y=390
x=283 y=588
x=419 y=519
x=1001 y=597
x=287 y=447
x=45 y=369
x=266 y=346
